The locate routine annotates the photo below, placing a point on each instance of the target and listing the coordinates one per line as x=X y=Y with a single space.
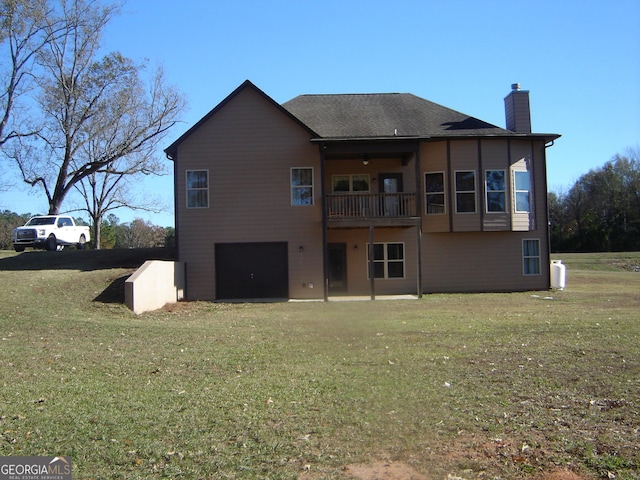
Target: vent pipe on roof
x=517 y=111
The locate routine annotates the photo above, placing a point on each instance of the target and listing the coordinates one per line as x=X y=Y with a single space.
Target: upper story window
x=350 y=183
x=521 y=180
x=434 y=188
x=197 y=188
x=495 y=188
x=302 y=186
x=465 y=191
x=531 y=257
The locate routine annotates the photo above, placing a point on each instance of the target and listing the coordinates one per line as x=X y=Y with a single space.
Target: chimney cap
x=515 y=87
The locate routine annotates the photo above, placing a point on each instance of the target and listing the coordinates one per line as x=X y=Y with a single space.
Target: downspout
x=325 y=247
x=546 y=202
x=419 y=198
x=174 y=159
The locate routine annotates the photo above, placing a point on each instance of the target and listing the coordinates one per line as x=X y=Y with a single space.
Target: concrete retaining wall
x=153 y=285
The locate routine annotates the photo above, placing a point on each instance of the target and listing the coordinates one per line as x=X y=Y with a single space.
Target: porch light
x=365 y=160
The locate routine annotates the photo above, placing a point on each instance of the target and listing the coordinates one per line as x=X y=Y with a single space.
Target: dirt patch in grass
x=385 y=471
x=402 y=471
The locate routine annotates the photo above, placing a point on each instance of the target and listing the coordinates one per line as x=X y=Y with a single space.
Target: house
x=365 y=194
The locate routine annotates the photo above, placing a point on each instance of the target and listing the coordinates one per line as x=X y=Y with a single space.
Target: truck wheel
x=82 y=242
x=51 y=244
x=18 y=248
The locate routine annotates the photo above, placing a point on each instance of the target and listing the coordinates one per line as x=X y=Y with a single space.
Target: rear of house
x=358 y=195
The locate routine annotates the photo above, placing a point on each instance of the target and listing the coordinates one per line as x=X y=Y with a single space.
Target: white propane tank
x=558 y=273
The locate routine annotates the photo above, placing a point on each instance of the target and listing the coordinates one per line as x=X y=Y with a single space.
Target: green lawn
x=476 y=386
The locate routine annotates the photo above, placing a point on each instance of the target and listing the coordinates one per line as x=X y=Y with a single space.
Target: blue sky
x=580 y=60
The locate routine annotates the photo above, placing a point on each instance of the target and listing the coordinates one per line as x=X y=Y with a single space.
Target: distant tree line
x=135 y=234
x=601 y=212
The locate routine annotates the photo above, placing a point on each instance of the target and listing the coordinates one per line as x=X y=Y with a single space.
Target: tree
x=26 y=27
x=140 y=234
x=9 y=221
x=95 y=111
x=601 y=212
x=108 y=190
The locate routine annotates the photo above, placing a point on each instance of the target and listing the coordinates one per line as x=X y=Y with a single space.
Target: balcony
x=378 y=209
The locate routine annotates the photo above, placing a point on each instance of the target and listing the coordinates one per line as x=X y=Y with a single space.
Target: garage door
x=252 y=270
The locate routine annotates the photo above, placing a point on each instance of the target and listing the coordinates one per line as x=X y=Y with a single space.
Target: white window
x=531 y=257
x=521 y=181
x=495 y=190
x=350 y=183
x=197 y=188
x=434 y=188
x=302 y=186
x=465 y=191
x=388 y=260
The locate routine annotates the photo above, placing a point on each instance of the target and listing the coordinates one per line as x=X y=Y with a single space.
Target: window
x=531 y=257
x=388 y=260
x=466 y=191
x=521 y=182
x=350 y=183
x=197 y=189
x=434 y=188
x=302 y=186
x=495 y=190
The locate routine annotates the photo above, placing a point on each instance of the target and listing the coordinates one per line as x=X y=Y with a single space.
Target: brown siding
x=478 y=262
x=248 y=147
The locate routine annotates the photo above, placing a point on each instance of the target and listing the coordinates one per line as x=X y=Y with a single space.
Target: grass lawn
x=491 y=386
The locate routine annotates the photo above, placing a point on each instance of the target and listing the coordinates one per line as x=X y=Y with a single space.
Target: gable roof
x=385 y=115
x=173 y=148
x=370 y=116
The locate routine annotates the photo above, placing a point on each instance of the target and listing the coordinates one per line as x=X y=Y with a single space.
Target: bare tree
x=26 y=27
x=95 y=111
x=109 y=190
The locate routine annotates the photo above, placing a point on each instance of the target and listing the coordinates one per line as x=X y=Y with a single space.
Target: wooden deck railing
x=371 y=205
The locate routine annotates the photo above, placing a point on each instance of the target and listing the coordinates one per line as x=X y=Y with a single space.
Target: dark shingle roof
x=384 y=115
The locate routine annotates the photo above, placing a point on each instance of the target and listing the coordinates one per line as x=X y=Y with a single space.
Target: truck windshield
x=41 y=221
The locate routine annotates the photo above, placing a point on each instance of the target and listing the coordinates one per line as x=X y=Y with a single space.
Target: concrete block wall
x=153 y=285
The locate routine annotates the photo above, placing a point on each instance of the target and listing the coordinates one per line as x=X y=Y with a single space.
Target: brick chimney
x=516 y=106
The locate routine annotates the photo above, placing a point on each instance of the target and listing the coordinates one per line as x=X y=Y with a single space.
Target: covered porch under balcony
x=370 y=194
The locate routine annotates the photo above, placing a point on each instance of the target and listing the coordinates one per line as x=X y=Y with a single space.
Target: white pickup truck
x=51 y=232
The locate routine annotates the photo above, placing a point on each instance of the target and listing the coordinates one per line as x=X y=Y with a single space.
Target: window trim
x=474 y=191
x=487 y=191
x=525 y=258
x=293 y=187
x=516 y=191
x=385 y=261
x=187 y=189
x=443 y=193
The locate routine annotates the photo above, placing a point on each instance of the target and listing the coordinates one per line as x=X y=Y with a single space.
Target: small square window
x=388 y=260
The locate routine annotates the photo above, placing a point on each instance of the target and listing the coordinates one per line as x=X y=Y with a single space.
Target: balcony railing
x=371 y=205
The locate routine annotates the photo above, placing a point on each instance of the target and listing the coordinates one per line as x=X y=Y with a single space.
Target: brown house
x=374 y=194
